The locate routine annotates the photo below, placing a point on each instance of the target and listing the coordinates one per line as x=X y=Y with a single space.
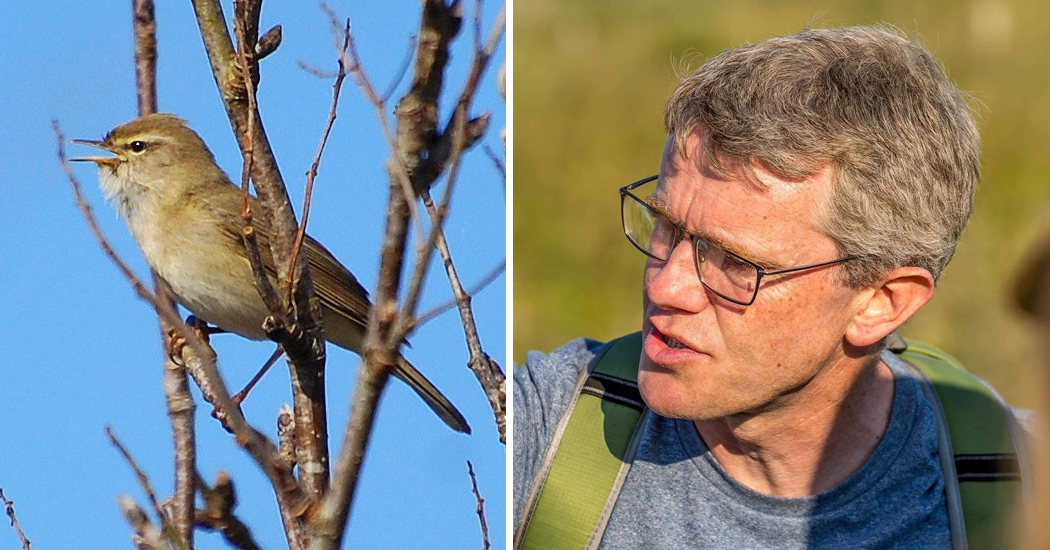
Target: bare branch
x=487 y=371
x=328 y=526
x=297 y=326
x=319 y=73
x=217 y=514
x=291 y=501
x=251 y=243
x=459 y=136
x=444 y=150
x=485 y=281
x=241 y=395
x=286 y=436
x=439 y=149
x=481 y=507
x=181 y=413
x=145 y=55
x=416 y=112
x=147 y=536
x=311 y=173
x=352 y=61
x=147 y=487
x=498 y=163
x=10 y=506
x=447 y=151
x=233 y=88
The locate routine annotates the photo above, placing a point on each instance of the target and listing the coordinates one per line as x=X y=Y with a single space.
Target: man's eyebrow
x=657 y=203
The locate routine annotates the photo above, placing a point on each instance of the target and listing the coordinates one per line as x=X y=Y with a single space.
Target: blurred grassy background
x=591 y=78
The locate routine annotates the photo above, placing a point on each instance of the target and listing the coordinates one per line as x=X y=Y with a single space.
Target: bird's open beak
x=107 y=161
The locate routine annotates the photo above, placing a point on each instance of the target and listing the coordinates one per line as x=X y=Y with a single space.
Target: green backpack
x=980 y=443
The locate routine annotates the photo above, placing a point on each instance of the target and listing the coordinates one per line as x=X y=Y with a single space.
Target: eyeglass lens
x=655 y=235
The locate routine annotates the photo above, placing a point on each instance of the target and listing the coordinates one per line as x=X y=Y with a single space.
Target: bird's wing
x=335 y=286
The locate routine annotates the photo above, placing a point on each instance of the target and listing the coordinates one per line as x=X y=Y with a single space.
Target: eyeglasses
x=728 y=275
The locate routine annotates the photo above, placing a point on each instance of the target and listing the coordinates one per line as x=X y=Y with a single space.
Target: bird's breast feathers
x=208 y=278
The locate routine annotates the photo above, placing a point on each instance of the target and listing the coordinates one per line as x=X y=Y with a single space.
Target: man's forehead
x=735 y=241
x=751 y=216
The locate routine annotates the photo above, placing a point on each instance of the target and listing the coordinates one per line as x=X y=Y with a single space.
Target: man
x=812 y=189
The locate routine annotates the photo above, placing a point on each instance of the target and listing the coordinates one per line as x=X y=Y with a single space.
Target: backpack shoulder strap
x=981 y=448
x=589 y=456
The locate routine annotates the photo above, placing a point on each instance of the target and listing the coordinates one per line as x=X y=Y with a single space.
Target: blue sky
x=81 y=352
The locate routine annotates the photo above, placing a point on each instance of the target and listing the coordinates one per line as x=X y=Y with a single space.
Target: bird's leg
x=239 y=396
x=202 y=328
x=176 y=342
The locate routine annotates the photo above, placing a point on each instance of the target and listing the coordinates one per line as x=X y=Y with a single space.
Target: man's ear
x=889 y=303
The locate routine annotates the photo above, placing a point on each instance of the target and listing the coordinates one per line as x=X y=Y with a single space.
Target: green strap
x=587 y=460
x=982 y=441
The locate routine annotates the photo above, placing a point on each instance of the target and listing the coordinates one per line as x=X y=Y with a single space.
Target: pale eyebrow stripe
x=768 y=264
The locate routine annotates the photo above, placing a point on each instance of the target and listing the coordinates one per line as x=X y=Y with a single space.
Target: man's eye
x=736 y=264
x=137 y=146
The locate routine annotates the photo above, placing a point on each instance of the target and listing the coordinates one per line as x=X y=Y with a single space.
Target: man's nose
x=675 y=283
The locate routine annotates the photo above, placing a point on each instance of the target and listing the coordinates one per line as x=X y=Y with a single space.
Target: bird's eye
x=137 y=146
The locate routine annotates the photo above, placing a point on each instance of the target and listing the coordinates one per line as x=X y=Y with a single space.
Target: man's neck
x=813 y=439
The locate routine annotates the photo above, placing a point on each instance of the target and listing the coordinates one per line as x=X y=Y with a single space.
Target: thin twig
x=311 y=173
x=319 y=73
x=458 y=135
x=353 y=63
x=477 y=25
x=328 y=527
x=401 y=72
x=485 y=281
x=251 y=243
x=498 y=162
x=481 y=507
x=307 y=351
x=10 y=506
x=487 y=371
x=147 y=487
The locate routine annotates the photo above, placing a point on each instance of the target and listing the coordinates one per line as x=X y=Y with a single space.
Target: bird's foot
x=175 y=344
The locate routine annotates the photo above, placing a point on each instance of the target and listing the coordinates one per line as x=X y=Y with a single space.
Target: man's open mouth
x=672 y=343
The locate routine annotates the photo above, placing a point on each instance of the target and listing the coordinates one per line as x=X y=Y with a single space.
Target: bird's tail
x=433 y=397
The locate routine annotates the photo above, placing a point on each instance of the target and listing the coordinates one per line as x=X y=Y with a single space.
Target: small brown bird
x=185 y=214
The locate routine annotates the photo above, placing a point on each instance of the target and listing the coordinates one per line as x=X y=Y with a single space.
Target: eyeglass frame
x=678 y=237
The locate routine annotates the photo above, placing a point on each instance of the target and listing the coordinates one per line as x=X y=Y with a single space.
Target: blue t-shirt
x=678 y=496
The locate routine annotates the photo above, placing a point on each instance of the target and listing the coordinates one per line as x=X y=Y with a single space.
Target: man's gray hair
x=899 y=136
